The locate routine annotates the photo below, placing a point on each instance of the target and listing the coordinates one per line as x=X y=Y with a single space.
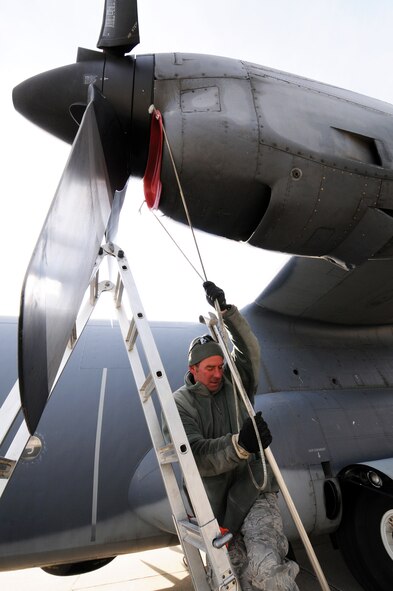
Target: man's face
x=209 y=372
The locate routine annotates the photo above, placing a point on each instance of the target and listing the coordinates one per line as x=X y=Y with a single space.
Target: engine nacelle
x=280 y=161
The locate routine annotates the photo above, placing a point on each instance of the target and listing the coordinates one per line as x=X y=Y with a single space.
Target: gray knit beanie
x=201 y=348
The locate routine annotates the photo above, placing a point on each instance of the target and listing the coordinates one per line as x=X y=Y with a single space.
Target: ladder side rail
x=9 y=411
x=195 y=563
x=201 y=505
x=80 y=324
x=152 y=423
x=11 y=406
x=14 y=453
x=22 y=436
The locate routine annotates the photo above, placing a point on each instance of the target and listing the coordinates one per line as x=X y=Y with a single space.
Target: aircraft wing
x=316 y=289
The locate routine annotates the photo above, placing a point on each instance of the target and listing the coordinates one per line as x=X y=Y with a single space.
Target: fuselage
x=63 y=506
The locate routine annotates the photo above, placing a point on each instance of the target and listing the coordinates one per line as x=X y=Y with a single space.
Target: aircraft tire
x=76 y=568
x=365 y=538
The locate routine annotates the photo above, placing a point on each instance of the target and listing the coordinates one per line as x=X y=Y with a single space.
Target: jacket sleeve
x=246 y=350
x=212 y=456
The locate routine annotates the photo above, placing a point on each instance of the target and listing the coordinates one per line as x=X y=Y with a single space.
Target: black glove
x=247 y=437
x=215 y=293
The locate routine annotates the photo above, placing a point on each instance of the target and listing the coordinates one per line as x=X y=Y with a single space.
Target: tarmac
x=158 y=570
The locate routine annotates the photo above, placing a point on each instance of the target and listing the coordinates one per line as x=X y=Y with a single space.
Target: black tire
x=367 y=551
x=76 y=568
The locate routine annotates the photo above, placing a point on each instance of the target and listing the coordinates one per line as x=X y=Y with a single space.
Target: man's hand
x=215 y=293
x=247 y=437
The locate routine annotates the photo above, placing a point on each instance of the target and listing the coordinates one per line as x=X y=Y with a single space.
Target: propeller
x=104 y=100
x=120 y=29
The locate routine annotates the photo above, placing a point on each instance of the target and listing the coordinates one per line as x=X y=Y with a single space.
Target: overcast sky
x=347 y=43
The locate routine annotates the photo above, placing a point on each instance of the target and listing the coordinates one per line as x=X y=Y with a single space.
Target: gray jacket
x=211 y=426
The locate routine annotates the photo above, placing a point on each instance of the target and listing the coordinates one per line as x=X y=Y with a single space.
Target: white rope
x=223 y=339
x=177 y=246
x=236 y=376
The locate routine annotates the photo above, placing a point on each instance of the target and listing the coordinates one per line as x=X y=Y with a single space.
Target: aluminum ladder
x=201 y=533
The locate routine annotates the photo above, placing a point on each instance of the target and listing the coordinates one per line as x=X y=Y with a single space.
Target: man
x=224 y=444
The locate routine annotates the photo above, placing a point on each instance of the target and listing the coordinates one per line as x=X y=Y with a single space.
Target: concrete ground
x=157 y=570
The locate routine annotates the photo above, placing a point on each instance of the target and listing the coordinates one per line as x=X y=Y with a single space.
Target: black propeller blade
x=120 y=29
x=64 y=257
x=111 y=142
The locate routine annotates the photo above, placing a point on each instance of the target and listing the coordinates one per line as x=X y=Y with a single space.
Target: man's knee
x=270 y=574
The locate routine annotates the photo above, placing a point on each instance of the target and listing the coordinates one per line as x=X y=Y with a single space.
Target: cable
x=221 y=334
x=152 y=109
x=177 y=246
x=224 y=336
x=236 y=376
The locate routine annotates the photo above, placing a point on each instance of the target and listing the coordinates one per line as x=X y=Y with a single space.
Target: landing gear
x=365 y=538
x=387 y=532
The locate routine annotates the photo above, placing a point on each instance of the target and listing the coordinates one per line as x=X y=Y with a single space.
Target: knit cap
x=201 y=348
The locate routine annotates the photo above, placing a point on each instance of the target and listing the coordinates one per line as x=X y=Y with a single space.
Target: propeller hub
x=56 y=100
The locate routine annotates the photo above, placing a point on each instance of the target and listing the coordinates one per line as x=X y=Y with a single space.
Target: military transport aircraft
x=279 y=161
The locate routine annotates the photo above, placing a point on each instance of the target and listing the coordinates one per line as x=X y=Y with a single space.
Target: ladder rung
x=132 y=335
x=228 y=582
x=147 y=388
x=119 y=291
x=193 y=527
x=191 y=533
x=167 y=454
x=6 y=467
x=73 y=337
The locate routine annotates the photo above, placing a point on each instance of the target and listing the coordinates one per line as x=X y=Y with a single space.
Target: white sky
x=347 y=43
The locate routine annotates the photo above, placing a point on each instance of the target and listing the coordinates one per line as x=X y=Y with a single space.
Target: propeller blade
x=120 y=29
x=64 y=256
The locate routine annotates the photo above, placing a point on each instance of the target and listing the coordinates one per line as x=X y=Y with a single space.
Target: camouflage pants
x=258 y=551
